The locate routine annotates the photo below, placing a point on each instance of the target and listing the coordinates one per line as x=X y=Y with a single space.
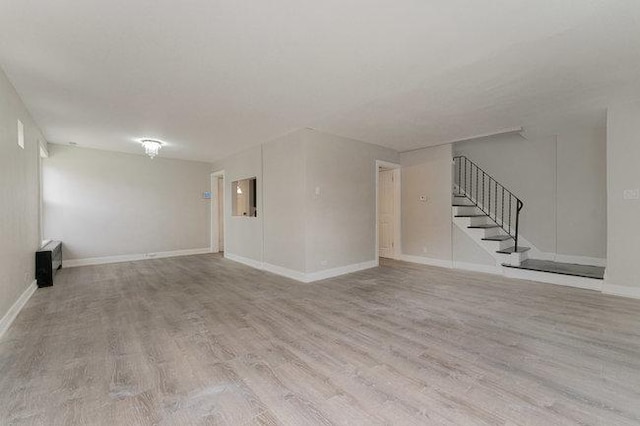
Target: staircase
x=489 y=211
x=490 y=214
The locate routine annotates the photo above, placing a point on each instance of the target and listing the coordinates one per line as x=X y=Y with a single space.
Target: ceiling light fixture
x=151 y=147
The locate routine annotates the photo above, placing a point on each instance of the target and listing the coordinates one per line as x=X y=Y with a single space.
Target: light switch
x=20 y=134
x=631 y=194
x=317 y=190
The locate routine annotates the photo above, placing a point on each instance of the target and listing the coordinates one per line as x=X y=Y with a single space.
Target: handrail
x=479 y=192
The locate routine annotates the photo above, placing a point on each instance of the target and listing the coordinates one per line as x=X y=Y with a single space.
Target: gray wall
x=298 y=229
x=560 y=174
x=102 y=203
x=623 y=152
x=19 y=197
x=284 y=207
x=243 y=234
x=426 y=226
x=340 y=221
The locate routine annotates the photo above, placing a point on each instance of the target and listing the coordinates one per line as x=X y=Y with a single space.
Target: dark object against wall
x=48 y=261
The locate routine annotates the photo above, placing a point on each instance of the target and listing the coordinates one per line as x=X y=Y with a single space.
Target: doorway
x=388 y=224
x=217 y=212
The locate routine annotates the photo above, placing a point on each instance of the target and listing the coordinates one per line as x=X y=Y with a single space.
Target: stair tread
x=463 y=205
x=470 y=215
x=510 y=250
x=498 y=238
x=459 y=196
x=488 y=226
x=586 y=271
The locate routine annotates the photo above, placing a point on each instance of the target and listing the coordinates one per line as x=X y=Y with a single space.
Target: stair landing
x=587 y=271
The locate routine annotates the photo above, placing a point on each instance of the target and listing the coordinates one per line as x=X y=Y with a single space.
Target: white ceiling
x=212 y=77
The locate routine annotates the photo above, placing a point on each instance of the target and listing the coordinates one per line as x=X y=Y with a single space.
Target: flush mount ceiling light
x=151 y=147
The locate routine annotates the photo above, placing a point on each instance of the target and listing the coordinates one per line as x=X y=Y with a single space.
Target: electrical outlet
x=424 y=249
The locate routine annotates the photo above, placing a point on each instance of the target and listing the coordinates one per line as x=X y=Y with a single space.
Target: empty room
x=320 y=213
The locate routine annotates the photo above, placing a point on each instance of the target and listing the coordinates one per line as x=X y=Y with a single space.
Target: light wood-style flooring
x=202 y=340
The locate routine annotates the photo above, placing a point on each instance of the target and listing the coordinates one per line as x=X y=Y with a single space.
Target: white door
x=386 y=213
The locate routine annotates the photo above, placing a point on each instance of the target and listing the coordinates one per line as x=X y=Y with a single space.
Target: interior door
x=386 y=212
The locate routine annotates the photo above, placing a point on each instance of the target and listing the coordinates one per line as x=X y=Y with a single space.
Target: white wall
x=426 y=226
x=101 y=203
x=19 y=195
x=559 y=172
x=623 y=242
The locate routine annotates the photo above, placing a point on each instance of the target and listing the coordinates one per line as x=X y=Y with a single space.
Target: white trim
x=397 y=238
x=72 y=263
x=244 y=260
x=341 y=270
x=551 y=278
x=442 y=263
x=215 y=197
x=302 y=276
x=621 y=290
x=285 y=272
x=477 y=267
x=15 y=309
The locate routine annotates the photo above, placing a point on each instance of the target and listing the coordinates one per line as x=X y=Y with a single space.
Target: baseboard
x=285 y=272
x=550 y=278
x=476 y=267
x=71 y=263
x=341 y=270
x=15 y=309
x=303 y=277
x=442 y=263
x=621 y=290
x=244 y=260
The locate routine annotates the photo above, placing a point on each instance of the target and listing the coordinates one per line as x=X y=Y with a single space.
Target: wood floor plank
x=202 y=340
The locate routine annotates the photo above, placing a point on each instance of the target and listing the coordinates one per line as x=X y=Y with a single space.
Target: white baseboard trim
x=476 y=267
x=341 y=270
x=559 y=279
x=442 y=263
x=244 y=260
x=303 y=277
x=15 y=309
x=621 y=290
x=72 y=263
x=285 y=272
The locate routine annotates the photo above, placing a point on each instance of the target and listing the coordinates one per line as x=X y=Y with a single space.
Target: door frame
x=215 y=224
x=397 y=216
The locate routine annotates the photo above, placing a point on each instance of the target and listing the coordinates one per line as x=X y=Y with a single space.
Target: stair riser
x=497 y=245
x=514 y=258
x=484 y=220
x=492 y=232
x=466 y=210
